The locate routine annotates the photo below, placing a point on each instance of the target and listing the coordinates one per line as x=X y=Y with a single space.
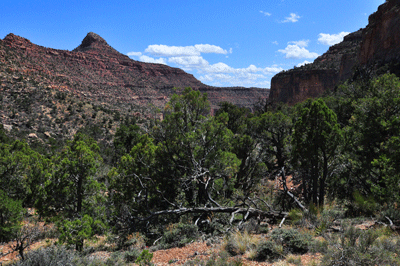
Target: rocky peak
x=93 y=41
x=16 y=41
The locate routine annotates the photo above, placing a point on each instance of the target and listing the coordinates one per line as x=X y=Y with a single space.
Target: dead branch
x=231 y=210
x=286 y=190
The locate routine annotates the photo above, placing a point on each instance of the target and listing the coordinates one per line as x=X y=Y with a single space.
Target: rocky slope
x=44 y=90
x=98 y=72
x=373 y=47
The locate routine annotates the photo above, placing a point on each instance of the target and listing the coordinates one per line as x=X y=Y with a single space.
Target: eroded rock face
x=381 y=38
x=324 y=73
x=374 y=46
x=298 y=85
x=98 y=73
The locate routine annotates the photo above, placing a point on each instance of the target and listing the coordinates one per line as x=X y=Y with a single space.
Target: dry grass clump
x=238 y=243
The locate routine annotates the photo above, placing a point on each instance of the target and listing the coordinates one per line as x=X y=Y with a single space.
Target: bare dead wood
x=283 y=220
x=390 y=221
x=391 y=225
x=231 y=210
x=290 y=194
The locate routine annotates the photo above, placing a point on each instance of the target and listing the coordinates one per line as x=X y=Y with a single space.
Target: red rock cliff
x=324 y=73
x=381 y=38
x=97 y=72
x=373 y=46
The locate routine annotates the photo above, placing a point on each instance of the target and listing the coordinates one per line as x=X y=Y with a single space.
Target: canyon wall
x=372 y=47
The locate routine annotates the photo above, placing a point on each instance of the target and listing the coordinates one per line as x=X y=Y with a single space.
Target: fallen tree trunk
x=245 y=211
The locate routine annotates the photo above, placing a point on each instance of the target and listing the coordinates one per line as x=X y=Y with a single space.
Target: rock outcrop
x=374 y=46
x=381 y=38
x=98 y=73
x=324 y=73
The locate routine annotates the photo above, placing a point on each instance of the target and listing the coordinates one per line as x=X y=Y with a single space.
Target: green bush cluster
x=268 y=251
x=61 y=255
x=362 y=247
x=178 y=235
x=292 y=240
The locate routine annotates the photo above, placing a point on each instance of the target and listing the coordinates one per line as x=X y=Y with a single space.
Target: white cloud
x=275 y=42
x=190 y=59
x=272 y=70
x=210 y=49
x=331 y=39
x=304 y=63
x=219 y=68
x=148 y=59
x=297 y=50
x=301 y=43
x=292 y=18
x=247 y=80
x=173 y=51
x=220 y=73
x=165 y=50
x=134 y=54
x=267 y=14
x=189 y=62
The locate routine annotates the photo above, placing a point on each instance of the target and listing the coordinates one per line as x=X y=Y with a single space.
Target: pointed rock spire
x=93 y=41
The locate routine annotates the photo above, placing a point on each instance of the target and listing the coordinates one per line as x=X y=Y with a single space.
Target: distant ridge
x=100 y=73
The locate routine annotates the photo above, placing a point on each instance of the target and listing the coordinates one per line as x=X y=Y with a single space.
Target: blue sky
x=220 y=42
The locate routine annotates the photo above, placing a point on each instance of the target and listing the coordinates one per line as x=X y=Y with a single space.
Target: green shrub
x=144 y=258
x=267 y=251
x=50 y=256
x=116 y=259
x=361 y=206
x=392 y=212
x=11 y=213
x=178 y=235
x=131 y=255
x=292 y=240
x=295 y=215
x=358 y=247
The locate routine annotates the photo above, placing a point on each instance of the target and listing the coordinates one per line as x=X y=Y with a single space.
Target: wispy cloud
x=297 y=50
x=134 y=54
x=196 y=50
x=189 y=62
x=331 y=39
x=301 y=43
x=304 y=63
x=148 y=59
x=267 y=14
x=292 y=18
x=190 y=58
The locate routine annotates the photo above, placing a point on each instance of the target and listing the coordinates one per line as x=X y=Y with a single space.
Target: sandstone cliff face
x=324 y=73
x=98 y=73
x=373 y=46
x=381 y=38
x=298 y=85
